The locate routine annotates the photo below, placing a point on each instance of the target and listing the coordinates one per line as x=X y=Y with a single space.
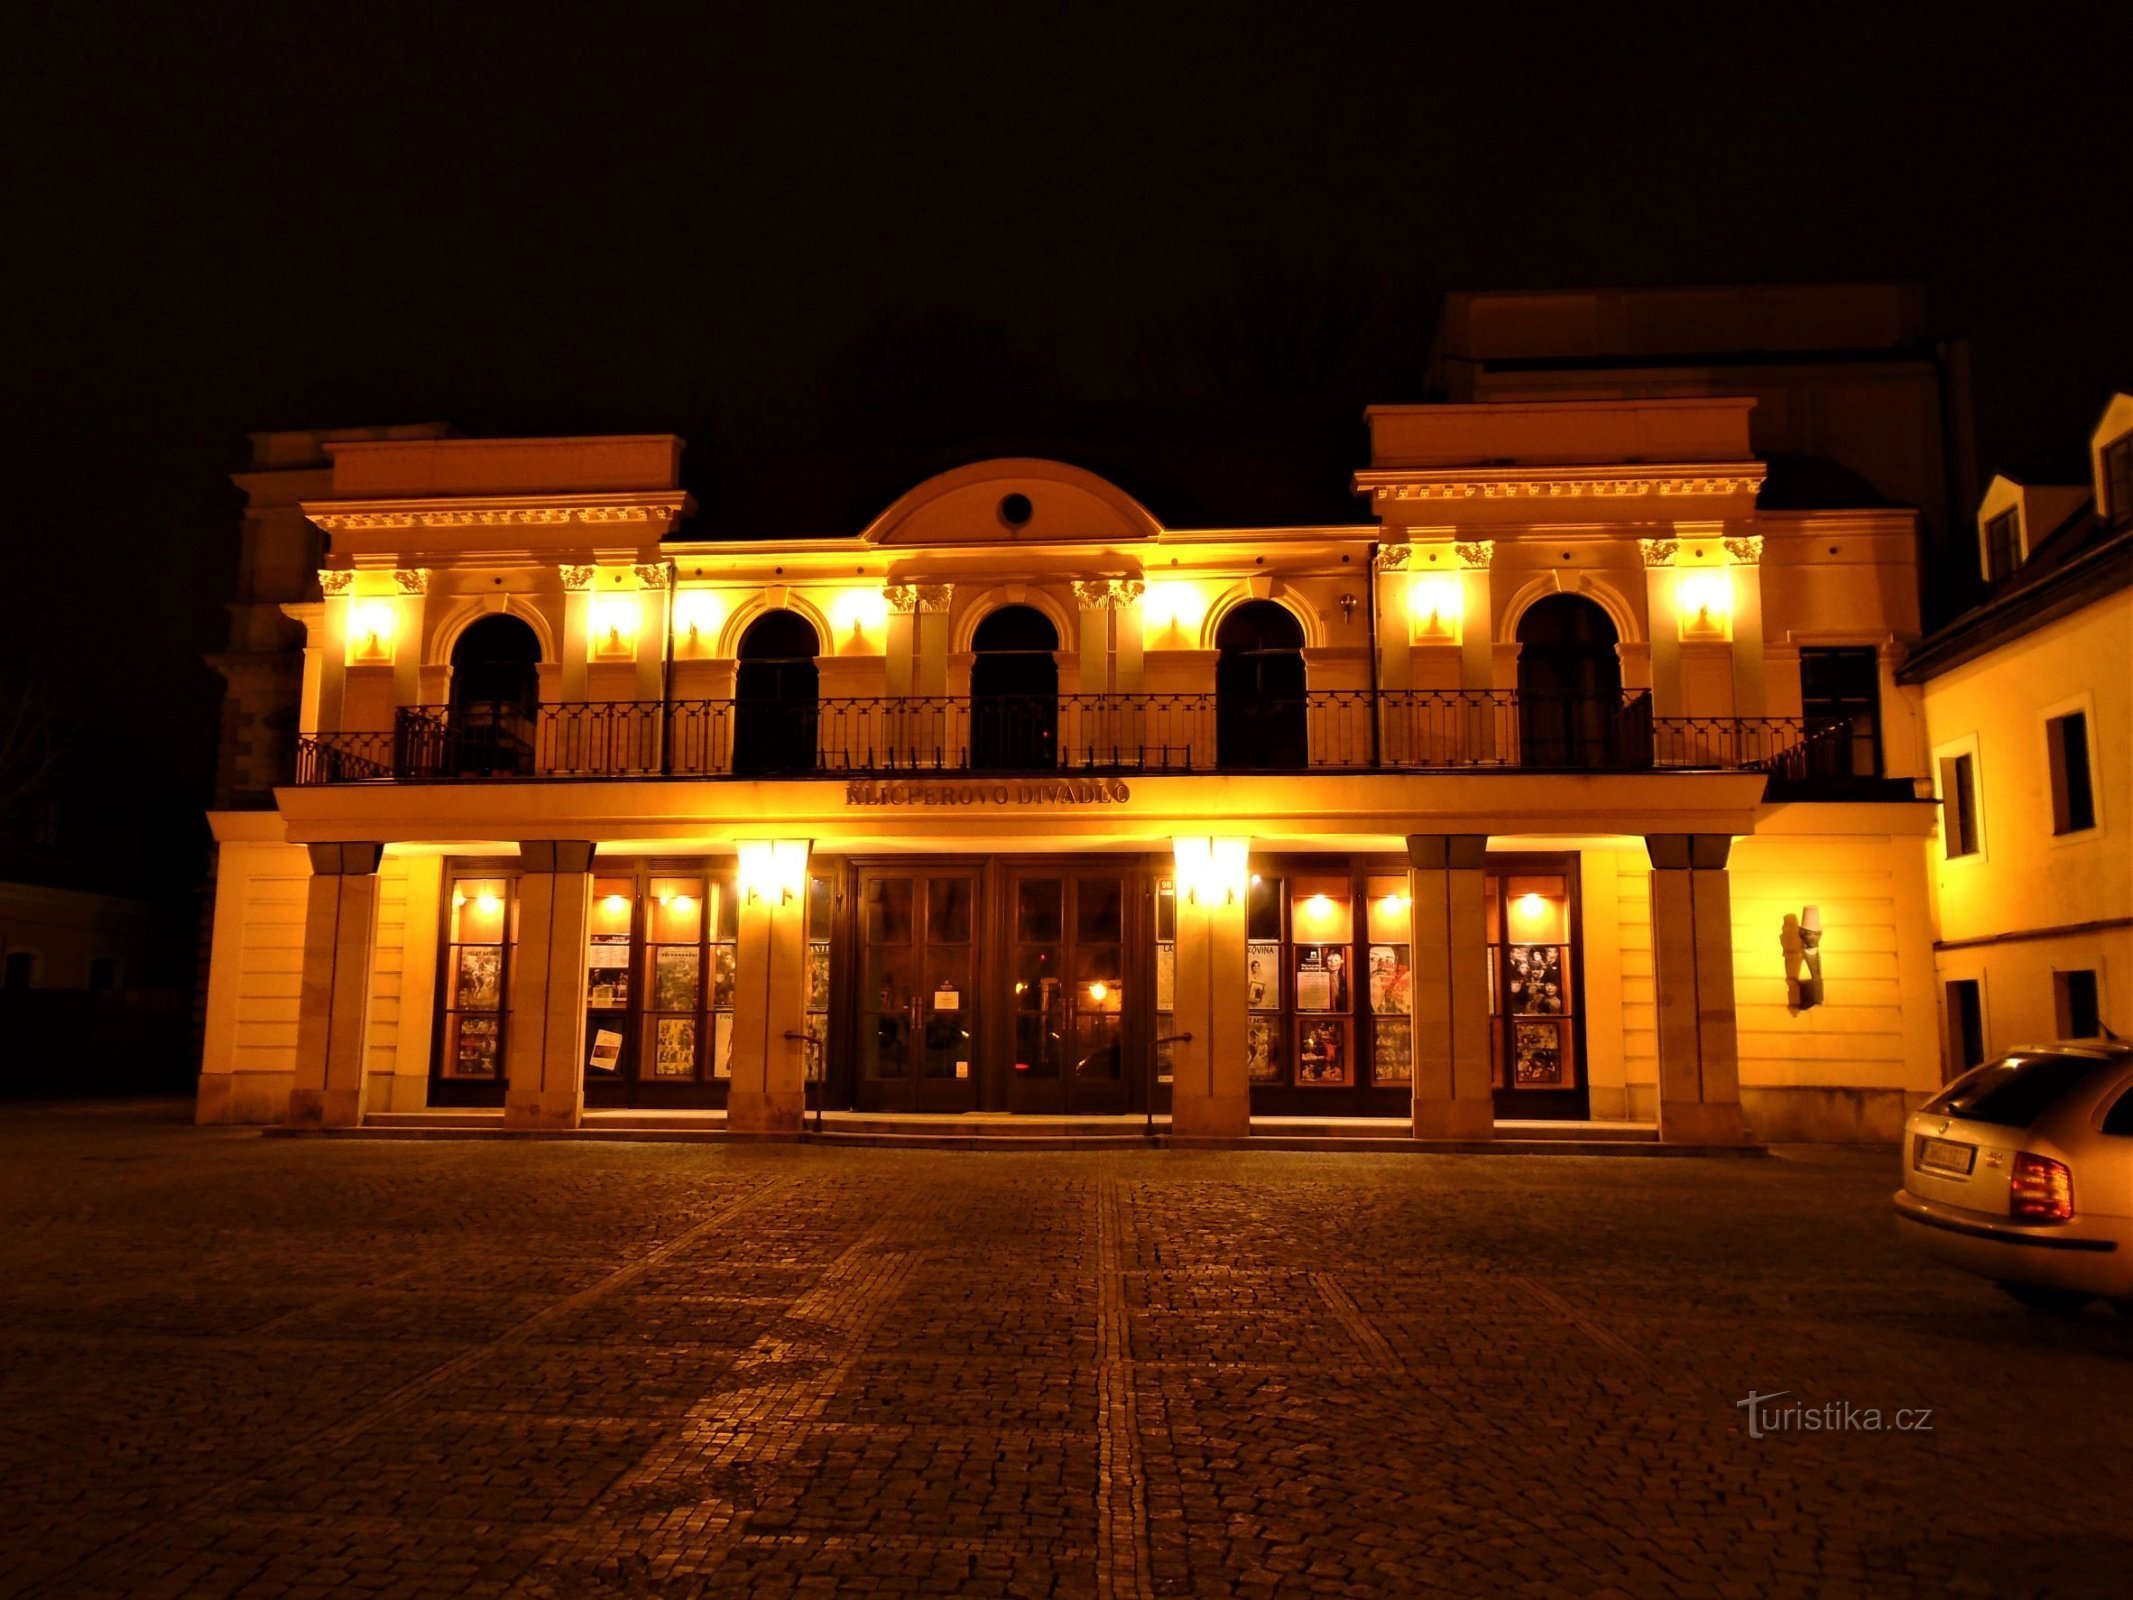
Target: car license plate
x=1945 y=1155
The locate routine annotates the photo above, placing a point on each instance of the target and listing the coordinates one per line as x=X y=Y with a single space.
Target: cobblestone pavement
x=233 y=1366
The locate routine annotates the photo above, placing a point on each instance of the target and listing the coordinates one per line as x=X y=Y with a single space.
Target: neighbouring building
x=2029 y=713
x=1564 y=782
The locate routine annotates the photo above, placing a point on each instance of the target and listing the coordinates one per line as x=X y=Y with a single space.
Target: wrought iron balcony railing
x=1409 y=730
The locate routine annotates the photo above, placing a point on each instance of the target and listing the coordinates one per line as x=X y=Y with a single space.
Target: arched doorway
x=775 y=691
x=1260 y=717
x=1570 y=708
x=494 y=725
x=1014 y=692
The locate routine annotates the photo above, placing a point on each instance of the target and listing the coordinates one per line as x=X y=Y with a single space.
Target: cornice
x=503 y=511
x=1665 y=481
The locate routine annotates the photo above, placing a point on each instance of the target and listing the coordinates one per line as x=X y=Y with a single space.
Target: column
x=1210 y=1095
x=1453 y=1095
x=1662 y=624
x=1692 y=968
x=544 y=1044
x=1477 y=649
x=1750 y=698
x=574 y=669
x=332 y=1022
x=768 y=1090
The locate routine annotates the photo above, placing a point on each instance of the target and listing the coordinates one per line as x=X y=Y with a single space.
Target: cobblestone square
x=237 y=1366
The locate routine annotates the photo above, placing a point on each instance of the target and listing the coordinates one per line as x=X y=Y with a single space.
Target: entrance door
x=918 y=1014
x=1066 y=1051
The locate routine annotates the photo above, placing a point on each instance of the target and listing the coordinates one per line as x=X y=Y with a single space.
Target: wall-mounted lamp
x=1172 y=610
x=371 y=627
x=1705 y=598
x=614 y=627
x=773 y=871
x=1435 y=603
x=1348 y=603
x=697 y=614
x=859 y=613
x=1211 y=872
x=1801 y=939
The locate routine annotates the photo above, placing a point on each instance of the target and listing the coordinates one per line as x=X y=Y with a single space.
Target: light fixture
x=697 y=614
x=1211 y=871
x=371 y=626
x=1318 y=908
x=1801 y=939
x=1436 y=602
x=1531 y=907
x=614 y=630
x=1172 y=608
x=856 y=613
x=1706 y=597
x=1099 y=991
x=1394 y=904
x=487 y=904
x=773 y=871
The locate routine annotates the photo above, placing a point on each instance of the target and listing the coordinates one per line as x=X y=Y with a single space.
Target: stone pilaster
x=1692 y=965
x=545 y=1038
x=333 y=1008
x=1449 y=980
x=768 y=1091
x=1210 y=1094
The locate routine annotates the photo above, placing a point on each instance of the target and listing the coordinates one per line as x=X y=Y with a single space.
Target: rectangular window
x=1966 y=1026
x=2066 y=742
x=2003 y=545
x=1532 y=1002
x=1958 y=802
x=1166 y=978
x=2118 y=479
x=2074 y=1000
x=1843 y=686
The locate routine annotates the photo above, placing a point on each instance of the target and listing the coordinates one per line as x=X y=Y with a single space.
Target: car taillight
x=2040 y=1189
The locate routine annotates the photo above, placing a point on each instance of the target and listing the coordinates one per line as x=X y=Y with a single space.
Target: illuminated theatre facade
x=1563 y=785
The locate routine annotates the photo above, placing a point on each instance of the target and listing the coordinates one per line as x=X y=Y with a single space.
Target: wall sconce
x=614 y=627
x=697 y=614
x=1436 y=604
x=372 y=625
x=1172 y=607
x=773 y=871
x=856 y=613
x=1348 y=603
x=1801 y=939
x=1211 y=872
x=1705 y=599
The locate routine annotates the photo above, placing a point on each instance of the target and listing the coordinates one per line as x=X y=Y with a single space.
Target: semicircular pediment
x=1017 y=500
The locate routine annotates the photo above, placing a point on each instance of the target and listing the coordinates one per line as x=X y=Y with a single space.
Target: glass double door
x=1000 y=987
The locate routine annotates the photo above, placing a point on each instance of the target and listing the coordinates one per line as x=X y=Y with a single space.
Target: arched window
x=494 y=723
x=1014 y=692
x=1570 y=707
x=775 y=690
x=1260 y=716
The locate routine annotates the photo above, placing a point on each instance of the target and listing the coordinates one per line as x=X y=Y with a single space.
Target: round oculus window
x=1015 y=510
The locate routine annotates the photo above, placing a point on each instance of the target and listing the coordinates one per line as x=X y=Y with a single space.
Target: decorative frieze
x=1746 y=549
x=1475 y=554
x=654 y=574
x=578 y=579
x=649 y=512
x=1699 y=485
x=1393 y=557
x=1659 y=552
x=412 y=580
x=336 y=580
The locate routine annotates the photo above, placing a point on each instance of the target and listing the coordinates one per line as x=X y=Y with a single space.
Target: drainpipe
x=1370 y=617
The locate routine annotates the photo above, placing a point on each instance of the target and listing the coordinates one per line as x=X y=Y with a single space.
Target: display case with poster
x=1533 y=963
x=1322 y=1060
x=480 y=925
x=1262 y=1050
x=1392 y=1051
x=821 y=903
x=610 y=947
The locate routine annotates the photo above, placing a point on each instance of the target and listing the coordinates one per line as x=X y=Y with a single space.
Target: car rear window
x=2014 y=1092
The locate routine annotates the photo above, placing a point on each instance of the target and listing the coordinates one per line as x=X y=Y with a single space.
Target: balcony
x=1108 y=734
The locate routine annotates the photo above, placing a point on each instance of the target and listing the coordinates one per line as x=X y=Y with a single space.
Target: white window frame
x=2085 y=703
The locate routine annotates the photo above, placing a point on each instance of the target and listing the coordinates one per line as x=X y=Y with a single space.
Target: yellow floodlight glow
x=1706 y=601
x=371 y=627
x=1211 y=871
x=1171 y=612
x=859 y=613
x=1436 y=603
x=697 y=615
x=773 y=871
x=614 y=626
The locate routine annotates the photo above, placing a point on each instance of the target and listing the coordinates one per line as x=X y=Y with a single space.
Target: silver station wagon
x=2022 y=1172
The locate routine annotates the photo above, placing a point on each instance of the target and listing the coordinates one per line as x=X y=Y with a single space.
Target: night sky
x=837 y=246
